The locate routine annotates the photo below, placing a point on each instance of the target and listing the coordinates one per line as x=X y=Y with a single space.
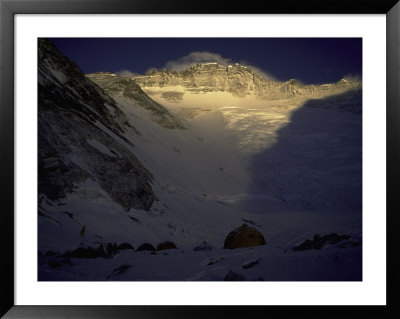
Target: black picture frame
x=8 y=10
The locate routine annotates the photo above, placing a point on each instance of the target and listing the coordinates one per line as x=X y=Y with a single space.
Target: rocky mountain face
x=82 y=136
x=238 y=80
x=126 y=87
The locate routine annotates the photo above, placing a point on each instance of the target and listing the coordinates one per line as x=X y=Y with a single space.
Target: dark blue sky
x=311 y=60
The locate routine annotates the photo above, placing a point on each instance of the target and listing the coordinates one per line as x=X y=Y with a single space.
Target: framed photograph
x=165 y=159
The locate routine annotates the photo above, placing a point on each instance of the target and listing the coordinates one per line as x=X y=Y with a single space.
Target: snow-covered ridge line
x=125 y=87
x=238 y=80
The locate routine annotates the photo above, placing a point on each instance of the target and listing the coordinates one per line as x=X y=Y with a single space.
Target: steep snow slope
x=82 y=142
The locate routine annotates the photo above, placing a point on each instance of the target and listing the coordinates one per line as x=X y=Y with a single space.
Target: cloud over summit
x=198 y=57
x=126 y=73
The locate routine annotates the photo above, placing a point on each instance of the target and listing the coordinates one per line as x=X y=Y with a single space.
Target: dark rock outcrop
x=204 y=246
x=318 y=242
x=119 y=271
x=251 y=264
x=213 y=261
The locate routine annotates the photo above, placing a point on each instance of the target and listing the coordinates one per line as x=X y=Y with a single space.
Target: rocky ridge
x=82 y=136
x=128 y=88
x=240 y=81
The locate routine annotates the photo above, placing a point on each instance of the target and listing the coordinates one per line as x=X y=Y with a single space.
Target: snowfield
x=289 y=170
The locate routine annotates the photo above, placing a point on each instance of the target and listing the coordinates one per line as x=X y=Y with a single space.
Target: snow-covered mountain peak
x=116 y=166
x=237 y=80
x=208 y=67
